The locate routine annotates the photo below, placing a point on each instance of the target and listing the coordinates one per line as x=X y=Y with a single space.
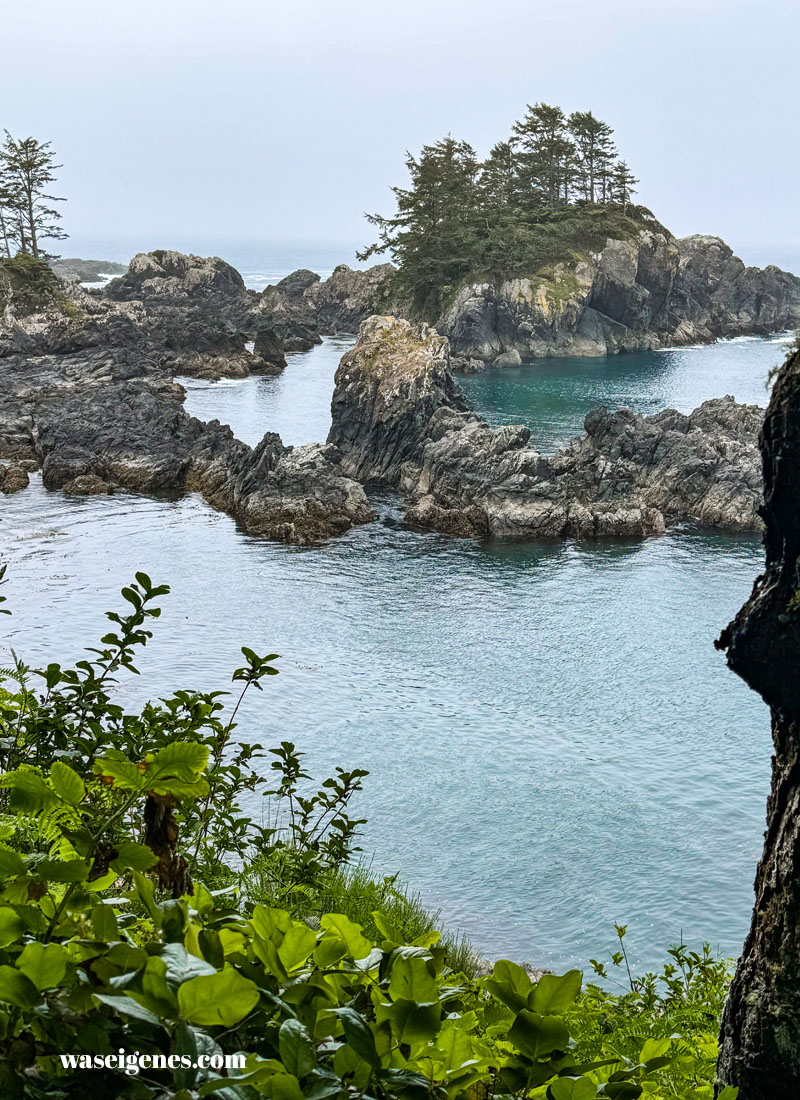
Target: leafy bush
x=113 y=948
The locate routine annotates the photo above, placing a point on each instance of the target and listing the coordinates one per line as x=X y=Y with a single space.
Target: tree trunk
x=760 y=1039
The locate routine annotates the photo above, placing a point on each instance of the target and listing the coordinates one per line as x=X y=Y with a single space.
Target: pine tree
x=434 y=236
x=26 y=168
x=623 y=184
x=499 y=178
x=544 y=150
x=595 y=153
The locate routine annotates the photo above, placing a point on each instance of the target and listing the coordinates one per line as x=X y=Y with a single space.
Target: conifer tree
x=434 y=234
x=27 y=167
x=623 y=185
x=595 y=154
x=544 y=151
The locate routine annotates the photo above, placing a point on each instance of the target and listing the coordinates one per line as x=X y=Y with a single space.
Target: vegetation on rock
x=552 y=193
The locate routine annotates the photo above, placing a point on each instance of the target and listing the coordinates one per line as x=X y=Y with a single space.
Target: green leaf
x=67 y=784
x=12 y=926
x=510 y=984
x=412 y=980
x=181 y=965
x=297 y=1050
x=358 y=1036
x=17 y=989
x=11 y=863
x=572 y=1088
x=63 y=870
x=342 y=937
x=134 y=857
x=126 y=776
x=128 y=1007
x=410 y=1022
x=44 y=964
x=104 y=922
x=553 y=994
x=223 y=998
x=28 y=791
x=537 y=1036
x=297 y=946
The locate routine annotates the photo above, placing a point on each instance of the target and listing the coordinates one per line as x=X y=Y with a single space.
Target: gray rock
x=13 y=478
x=399 y=419
x=638 y=294
x=86 y=271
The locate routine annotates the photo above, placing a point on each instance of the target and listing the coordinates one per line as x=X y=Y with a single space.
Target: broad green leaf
x=125 y=775
x=297 y=1050
x=411 y=1023
x=133 y=857
x=223 y=998
x=63 y=870
x=297 y=946
x=104 y=922
x=654 y=1048
x=553 y=993
x=11 y=863
x=12 y=926
x=572 y=1088
x=510 y=984
x=16 y=988
x=67 y=784
x=537 y=1036
x=358 y=1036
x=341 y=937
x=283 y=1086
x=44 y=964
x=411 y=980
x=128 y=1007
x=28 y=791
x=182 y=965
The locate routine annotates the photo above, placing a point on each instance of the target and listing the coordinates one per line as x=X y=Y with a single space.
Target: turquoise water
x=553 y=396
x=553 y=741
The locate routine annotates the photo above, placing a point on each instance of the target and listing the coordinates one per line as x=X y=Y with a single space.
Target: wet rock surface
x=399 y=419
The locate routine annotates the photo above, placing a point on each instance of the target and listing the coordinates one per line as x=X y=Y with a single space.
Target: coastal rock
x=759 y=1048
x=108 y=418
x=13 y=478
x=172 y=276
x=399 y=419
x=639 y=294
x=302 y=306
x=86 y=271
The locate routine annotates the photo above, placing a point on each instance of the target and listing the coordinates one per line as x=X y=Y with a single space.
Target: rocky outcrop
x=86 y=271
x=107 y=418
x=164 y=276
x=639 y=294
x=760 y=1038
x=399 y=419
x=302 y=306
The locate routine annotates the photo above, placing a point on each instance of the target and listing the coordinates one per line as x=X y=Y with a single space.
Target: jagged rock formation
x=302 y=306
x=640 y=294
x=107 y=418
x=399 y=419
x=760 y=1038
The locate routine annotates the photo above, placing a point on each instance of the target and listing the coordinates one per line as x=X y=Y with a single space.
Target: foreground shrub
x=124 y=972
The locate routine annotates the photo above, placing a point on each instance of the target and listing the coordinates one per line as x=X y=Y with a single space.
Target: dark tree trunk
x=760 y=1040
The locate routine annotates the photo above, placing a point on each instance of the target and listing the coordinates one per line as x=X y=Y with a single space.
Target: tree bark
x=760 y=1038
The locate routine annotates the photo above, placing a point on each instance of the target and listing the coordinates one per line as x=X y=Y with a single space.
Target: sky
x=184 y=122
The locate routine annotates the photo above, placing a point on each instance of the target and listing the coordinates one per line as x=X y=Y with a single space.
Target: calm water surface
x=554 y=743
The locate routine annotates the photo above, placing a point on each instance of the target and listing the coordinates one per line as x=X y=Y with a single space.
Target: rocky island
x=91 y=400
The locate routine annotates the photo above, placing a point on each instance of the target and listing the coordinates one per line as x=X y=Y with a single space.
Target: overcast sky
x=251 y=120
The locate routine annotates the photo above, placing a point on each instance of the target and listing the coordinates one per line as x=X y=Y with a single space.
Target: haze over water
x=553 y=741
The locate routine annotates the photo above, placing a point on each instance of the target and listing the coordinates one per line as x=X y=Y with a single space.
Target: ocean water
x=553 y=742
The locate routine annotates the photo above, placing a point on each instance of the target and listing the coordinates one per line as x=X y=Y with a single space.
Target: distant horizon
x=332 y=252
